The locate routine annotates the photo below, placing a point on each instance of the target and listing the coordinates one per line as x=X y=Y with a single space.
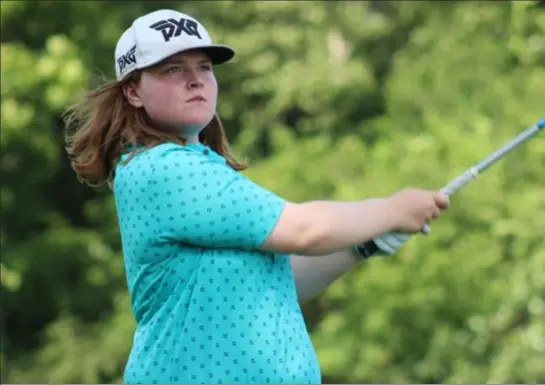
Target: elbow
x=311 y=241
x=310 y=234
x=298 y=231
x=304 y=241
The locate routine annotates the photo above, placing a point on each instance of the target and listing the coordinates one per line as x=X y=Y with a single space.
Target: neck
x=191 y=133
x=192 y=139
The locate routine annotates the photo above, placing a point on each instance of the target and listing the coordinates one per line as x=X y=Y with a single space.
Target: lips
x=197 y=98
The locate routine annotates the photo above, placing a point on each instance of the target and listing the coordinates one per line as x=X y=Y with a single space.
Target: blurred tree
x=355 y=99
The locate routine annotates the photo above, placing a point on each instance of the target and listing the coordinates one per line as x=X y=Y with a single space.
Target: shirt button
x=206 y=152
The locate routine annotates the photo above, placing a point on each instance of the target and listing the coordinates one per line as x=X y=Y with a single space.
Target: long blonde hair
x=104 y=125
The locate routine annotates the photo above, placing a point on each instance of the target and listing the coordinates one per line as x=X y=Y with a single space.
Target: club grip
x=370 y=248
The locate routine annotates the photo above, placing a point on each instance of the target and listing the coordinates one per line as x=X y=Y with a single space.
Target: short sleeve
x=203 y=202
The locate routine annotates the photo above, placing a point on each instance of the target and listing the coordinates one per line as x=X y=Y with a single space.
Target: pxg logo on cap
x=127 y=59
x=173 y=28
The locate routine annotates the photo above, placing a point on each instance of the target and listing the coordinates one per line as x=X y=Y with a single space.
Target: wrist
x=391 y=213
x=365 y=250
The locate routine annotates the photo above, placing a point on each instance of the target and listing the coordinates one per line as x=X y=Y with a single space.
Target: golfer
x=216 y=265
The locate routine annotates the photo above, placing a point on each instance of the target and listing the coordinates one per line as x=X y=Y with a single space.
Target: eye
x=172 y=69
x=206 y=67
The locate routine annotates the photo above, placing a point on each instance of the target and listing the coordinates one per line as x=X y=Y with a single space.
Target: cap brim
x=218 y=53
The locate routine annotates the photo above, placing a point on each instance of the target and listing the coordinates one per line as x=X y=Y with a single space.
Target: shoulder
x=170 y=163
x=150 y=159
x=163 y=153
x=140 y=166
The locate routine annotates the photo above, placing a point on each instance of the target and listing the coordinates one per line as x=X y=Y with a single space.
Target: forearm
x=339 y=225
x=313 y=274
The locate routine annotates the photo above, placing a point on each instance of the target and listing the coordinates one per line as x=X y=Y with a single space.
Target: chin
x=198 y=120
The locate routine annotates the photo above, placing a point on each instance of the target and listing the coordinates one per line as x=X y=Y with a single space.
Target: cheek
x=160 y=105
x=212 y=91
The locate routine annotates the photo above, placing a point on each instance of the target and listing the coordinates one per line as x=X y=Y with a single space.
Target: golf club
x=370 y=248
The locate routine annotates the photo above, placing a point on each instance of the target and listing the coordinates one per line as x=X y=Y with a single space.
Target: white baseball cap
x=158 y=35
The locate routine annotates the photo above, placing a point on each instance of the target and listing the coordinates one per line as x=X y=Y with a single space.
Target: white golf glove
x=390 y=243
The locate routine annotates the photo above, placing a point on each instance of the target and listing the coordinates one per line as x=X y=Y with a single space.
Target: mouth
x=197 y=98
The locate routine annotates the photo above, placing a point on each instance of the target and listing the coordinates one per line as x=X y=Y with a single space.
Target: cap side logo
x=127 y=59
x=173 y=28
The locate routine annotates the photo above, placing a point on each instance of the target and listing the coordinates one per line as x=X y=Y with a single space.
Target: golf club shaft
x=472 y=172
x=370 y=248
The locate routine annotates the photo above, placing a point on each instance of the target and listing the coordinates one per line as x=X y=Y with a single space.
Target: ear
x=131 y=94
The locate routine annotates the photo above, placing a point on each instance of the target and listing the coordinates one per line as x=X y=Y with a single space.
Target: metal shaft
x=472 y=172
x=517 y=140
x=370 y=248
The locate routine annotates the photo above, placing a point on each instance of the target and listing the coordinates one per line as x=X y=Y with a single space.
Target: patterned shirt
x=210 y=306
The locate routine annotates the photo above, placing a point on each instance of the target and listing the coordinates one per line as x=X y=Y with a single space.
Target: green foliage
x=330 y=100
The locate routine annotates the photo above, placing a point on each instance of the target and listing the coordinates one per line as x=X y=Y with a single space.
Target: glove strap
x=365 y=250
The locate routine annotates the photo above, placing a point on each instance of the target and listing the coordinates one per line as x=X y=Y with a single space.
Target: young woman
x=216 y=265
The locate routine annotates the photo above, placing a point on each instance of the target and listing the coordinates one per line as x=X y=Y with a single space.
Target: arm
x=208 y=204
x=313 y=275
x=324 y=227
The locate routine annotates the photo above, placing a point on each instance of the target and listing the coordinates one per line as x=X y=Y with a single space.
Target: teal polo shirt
x=210 y=307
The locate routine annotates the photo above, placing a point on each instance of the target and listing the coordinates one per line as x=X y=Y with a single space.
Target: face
x=178 y=94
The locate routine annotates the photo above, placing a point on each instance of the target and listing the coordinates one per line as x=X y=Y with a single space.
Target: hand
x=414 y=208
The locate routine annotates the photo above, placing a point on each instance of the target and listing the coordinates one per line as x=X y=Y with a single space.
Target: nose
x=193 y=80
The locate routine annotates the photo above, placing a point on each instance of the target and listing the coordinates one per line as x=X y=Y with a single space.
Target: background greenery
x=337 y=100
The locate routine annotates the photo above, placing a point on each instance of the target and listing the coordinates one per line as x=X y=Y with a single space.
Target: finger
x=384 y=246
x=433 y=213
x=398 y=241
x=442 y=200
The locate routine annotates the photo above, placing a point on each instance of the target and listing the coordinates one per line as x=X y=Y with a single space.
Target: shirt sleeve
x=203 y=202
